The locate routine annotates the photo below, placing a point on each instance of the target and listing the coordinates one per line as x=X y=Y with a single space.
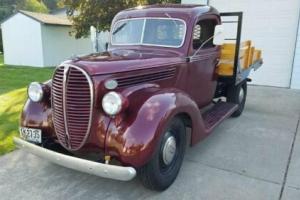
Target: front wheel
x=161 y=171
x=237 y=94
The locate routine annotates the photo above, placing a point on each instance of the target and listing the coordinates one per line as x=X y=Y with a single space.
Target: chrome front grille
x=72 y=105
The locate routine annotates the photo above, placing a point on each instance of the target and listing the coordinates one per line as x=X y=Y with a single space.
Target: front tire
x=237 y=94
x=161 y=171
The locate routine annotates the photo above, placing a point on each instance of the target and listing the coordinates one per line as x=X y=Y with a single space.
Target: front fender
x=38 y=115
x=133 y=136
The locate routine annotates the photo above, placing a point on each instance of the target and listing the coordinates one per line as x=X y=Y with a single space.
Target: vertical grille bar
x=66 y=136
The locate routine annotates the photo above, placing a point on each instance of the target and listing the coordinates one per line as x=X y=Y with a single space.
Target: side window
x=203 y=30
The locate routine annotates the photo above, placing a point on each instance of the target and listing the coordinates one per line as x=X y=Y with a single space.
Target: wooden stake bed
x=248 y=56
x=237 y=58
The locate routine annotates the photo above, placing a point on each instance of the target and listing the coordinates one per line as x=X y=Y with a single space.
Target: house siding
x=295 y=83
x=103 y=38
x=58 y=45
x=22 y=41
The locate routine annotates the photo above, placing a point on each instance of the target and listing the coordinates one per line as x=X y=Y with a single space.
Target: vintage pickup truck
x=126 y=111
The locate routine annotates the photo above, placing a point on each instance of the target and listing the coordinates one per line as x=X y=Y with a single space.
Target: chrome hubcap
x=241 y=95
x=169 y=150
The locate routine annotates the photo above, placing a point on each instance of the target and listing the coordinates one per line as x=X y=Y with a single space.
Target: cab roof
x=183 y=11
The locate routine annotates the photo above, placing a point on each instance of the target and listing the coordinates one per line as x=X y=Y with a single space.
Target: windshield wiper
x=120 y=28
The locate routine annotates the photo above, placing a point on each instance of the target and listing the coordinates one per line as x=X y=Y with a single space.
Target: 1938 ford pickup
x=126 y=111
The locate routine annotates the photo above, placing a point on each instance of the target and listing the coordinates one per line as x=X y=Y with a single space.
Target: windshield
x=165 y=32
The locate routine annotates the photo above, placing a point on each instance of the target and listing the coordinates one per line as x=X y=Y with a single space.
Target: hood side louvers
x=145 y=78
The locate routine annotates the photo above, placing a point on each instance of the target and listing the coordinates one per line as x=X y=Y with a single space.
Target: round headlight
x=35 y=92
x=112 y=103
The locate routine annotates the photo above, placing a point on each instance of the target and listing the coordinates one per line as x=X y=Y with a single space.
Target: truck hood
x=125 y=60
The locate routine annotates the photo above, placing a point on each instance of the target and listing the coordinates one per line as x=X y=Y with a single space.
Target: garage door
x=272 y=25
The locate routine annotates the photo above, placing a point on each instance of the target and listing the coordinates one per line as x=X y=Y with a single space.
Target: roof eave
x=35 y=19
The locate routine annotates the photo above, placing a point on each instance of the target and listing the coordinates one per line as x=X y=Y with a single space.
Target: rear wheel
x=161 y=171
x=237 y=94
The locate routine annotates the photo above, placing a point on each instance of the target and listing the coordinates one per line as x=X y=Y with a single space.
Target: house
x=274 y=27
x=35 y=39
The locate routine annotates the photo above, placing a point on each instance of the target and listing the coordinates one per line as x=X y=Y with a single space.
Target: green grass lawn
x=1 y=60
x=13 y=87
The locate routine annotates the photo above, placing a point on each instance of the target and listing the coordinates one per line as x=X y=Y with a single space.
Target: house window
x=204 y=30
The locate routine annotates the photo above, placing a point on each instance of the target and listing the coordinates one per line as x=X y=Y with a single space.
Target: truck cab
x=126 y=111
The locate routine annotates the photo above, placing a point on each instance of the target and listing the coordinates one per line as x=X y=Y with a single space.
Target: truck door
x=202 y=78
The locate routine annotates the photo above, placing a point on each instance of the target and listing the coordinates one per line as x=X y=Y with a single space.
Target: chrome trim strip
x=66 y=70
x=82 y=165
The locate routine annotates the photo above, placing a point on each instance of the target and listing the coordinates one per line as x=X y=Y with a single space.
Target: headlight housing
x=112 y=103
x=35 y=92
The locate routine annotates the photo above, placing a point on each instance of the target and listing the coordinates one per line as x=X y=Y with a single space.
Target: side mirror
x=219 y=37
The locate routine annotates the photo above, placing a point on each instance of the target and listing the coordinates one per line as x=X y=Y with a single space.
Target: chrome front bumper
x=82 y=165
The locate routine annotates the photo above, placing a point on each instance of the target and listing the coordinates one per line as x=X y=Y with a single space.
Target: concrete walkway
x=253 y=157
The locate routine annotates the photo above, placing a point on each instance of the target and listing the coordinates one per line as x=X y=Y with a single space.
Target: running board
x=219 y=112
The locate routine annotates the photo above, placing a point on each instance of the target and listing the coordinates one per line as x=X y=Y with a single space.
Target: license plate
x=31 y=134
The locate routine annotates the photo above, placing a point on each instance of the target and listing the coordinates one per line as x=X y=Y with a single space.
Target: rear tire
x=161 y=171
x=237 y=94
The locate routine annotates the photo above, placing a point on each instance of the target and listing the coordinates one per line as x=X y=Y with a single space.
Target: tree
x=51 y=4
x=87 y=13
x=6 y=8
x=32 y=5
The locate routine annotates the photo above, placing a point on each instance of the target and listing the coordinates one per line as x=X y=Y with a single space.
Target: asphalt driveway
x=255 y=156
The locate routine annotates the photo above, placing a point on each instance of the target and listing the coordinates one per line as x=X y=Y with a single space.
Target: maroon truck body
x=157 y=83
x=160 y=84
